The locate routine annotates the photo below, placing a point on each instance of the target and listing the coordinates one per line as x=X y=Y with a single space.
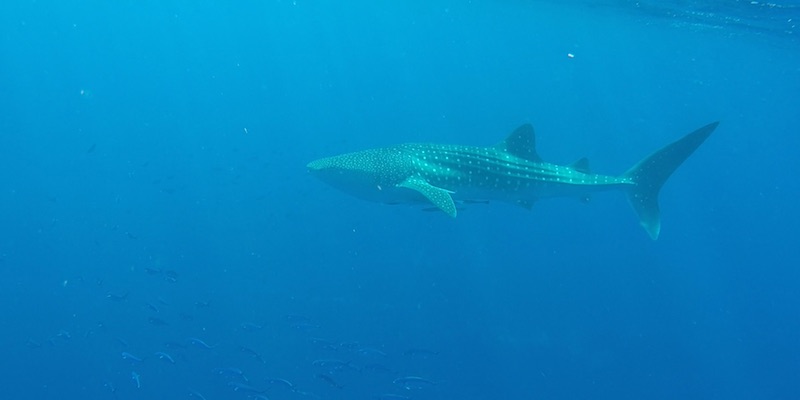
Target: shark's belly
x=527 y=190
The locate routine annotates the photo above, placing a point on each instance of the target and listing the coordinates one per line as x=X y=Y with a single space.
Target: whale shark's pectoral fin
x=439 y=197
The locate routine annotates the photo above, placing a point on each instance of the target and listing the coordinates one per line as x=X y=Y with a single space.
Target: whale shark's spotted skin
x=462 y=167
x=510 y=171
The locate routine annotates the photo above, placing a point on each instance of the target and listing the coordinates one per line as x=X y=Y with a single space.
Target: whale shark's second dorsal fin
x=581 y=165
x=521 y=143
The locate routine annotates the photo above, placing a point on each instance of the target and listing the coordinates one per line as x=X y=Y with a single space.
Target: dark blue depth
x=160 y=237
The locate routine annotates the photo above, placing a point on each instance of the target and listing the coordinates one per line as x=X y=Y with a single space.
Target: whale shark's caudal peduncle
x=510 y=171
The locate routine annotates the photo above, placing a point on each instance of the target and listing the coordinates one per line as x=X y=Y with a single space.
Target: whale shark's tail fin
x=650 y=174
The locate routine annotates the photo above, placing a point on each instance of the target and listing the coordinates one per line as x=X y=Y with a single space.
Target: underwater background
x=161 y=238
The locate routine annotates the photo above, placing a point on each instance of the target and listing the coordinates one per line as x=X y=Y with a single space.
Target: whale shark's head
x=344 y=171
x=367 y=174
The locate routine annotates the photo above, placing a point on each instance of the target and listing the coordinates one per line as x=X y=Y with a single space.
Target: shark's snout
x=318 y=165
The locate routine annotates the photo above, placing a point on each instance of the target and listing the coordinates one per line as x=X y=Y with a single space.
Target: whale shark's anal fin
x=650 y=174
x=439 y=197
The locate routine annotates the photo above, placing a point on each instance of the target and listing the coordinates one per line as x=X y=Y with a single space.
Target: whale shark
x=511 y=171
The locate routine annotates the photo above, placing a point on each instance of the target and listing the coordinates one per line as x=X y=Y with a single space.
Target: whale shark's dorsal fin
x=521 y=143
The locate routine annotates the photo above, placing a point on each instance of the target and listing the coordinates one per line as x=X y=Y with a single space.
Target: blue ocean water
x=155 y=203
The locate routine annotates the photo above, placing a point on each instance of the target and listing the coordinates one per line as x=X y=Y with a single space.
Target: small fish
x=305 y=326
x=152 y=271
x=91 y=148
x=130 y=357
x=244 y=388
x=32 y=344
x=157 y=321
x=135 y=378
x=152 y=307
x=174 y=345
x=249 y=351
x=309 y=394
x=193 y=393
x=371 y=352
x=252 y=353
x=458 y=204
x=64 y=334
x=378 y=368
x=333 y=365
x=231 y=372
x=391 y=396
x=202 y=304
x=411 y=382
x=171 y=276
x=164 y=356
x=349 y=346
x=186 y=317
x=324 y=343
x=282 y=382
x=328 y=379
x=295 y=318
x=419 y=352
x=250 y=327
x=200 y=344
x=116 y=297
x=475 y=201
